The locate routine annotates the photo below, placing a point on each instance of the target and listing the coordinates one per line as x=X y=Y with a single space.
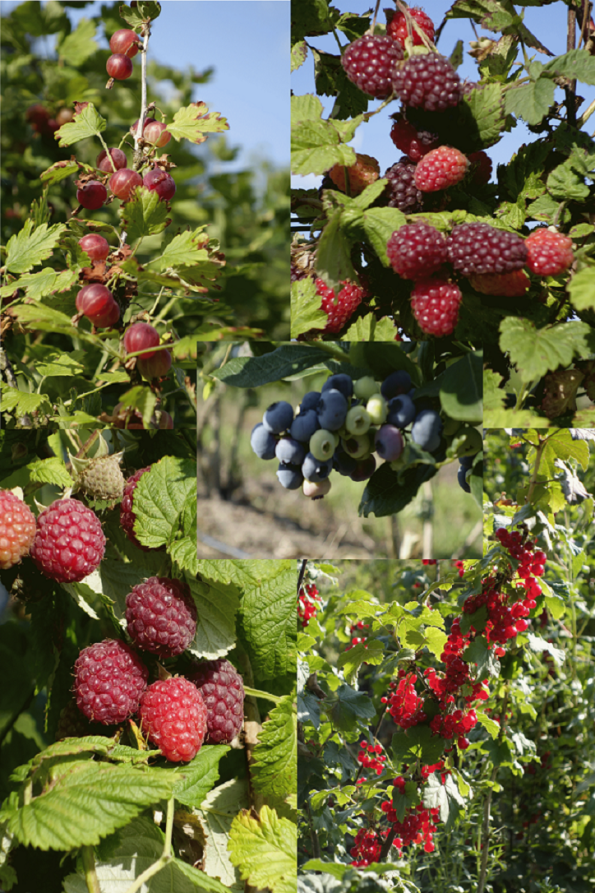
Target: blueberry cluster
x=341 y=427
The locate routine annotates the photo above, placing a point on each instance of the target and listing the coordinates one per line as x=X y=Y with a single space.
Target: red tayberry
x=92 y=195
x=123 y=182
x=341 y=307
x=416 y=250
x=397 y=27
x=119 y=67
x=69 y=542
x=370 y=62
x=141 y=336
x=161 y=616
x=95 y=246
x=481 y=248
x=415 y=144
x=174 y=716
x=428 y=82
x=504 y=285
x=17 y=529
x=109 y=679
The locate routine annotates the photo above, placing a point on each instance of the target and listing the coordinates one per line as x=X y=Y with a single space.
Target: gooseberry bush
x=125 y=763
x=440 y=747
x=436 y=246
x=113 y=236
x=389 y=416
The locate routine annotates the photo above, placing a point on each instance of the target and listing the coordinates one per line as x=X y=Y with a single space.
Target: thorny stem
x=89 y=868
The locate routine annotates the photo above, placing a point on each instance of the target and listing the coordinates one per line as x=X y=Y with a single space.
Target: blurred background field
x=243 y=507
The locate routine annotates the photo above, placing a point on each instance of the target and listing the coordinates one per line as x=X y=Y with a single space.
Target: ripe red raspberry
x=127 y=516
x=481 y=248
x=428 y=82
x=222 y=689
x=109 y=679
x=397 y=26
x=548 y=253
x=415 y=144
x=69 y=543
x=416 y=250
x=365 y=171
x=370 y=63
x=481 y=168
x=161 y=616
x=340 y=308
x=402 y=191
x=435 y=305
x=174 y=716
x=17 y=529
x=440 y=168
x=504 y=285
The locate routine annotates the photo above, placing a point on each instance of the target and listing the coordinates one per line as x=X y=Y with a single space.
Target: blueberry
x=340 y=382
x=290 y=476
x=357 y=445
x=263 y=442
x=365 y=387
x=310 y=401
x=401 y=411
x=316 y=490
x=389 y=443
x=304 y=425
x=344 y=463
x=426 y=429
x=461 y=477
x=357 y=420
x=467 y=461
x=332 y=410
x=278 y=417
x=377 y=408
x=323 y=444
x=290 y=451
x=314 y=470
x=365 y=469
x=396 y=383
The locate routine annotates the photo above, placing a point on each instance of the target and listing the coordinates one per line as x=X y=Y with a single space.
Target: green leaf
x=31 y=246
x=534 y=352
x=275 y=755
x=317 y=145
x=86 y=123
x=264 y=850
x=493 y=395
x=379 y=225
x=461 y=388
x=565 y=183
x=537 y=643
x=582 y=289
x=79 y=45
x=21 y=403
x=489 y=724
x=350 y=661
x=333 y=256
x=42 y=284
x=368 y=328
x=387 y=492
x=486 y=106
x=85 y=803
x=299 y=52
x=346 y=706
x=286 y=361
x=195 y=122
x=530 y=101
x=578 y=64
x=199 y=776
x=160 y=498
x=306 y=312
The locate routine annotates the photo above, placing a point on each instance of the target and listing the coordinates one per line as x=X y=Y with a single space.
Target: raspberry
x=370 y=63
x=548 y=253
x=415 y=144
x=397 y=26
x=174 y=716
x=127 y=516
x=428 y=82
x=365 y=170
x=73 y=724
x=17 y=529
x=482 y=168
x=161 y=616
x=480 y=248
x=69 y=543
x=435 y=305
x=401 y=188
x=440 y=168
x=109 y=679
x=222 y=689
x=504 y=285
x=339 y=308
x=102 y=478
x=416 y=250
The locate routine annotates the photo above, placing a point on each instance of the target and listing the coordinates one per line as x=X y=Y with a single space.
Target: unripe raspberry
x=222 y=689
x=109 y=679
x=17 y=529
x=440 y=168
x=435 y=305
x=504 y=285
x=161 y=616
x=548 y=253
x=370 y=63
x=174 y=716
x=365 y=171
x=102 y=478
x=69 y=543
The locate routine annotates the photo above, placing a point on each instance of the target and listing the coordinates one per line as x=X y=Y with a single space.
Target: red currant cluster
x=371 y=757
x=429 y=561
x=355 y=639
x=406 y=707
x=418 y=824
x=308 y=603
x=367 y=847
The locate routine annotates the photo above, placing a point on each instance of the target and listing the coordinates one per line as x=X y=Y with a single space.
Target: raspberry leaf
x=160 y=499
x=537 y=351
x=218 y=810
x=200 y=775
x=275 y=755
x=264 y=850
x=305 y=308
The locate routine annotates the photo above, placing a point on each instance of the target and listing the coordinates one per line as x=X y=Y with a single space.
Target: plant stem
x=89 y=868
x=165 y=857
x=256 y=693
x=302 y=574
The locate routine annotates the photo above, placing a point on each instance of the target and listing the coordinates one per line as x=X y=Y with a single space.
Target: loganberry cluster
x=445 y=698
x=343 y=425
x=436 y=159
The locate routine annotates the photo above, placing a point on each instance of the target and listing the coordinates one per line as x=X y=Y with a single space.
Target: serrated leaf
x=316 y=145
x=194 y=123
x=86 y=123
x=368 y=328
x=486 y=106
x=199 y=775
x=299 y=52
x=87 y=802
x=333 y=256
x=306 y=312
x=530 y=101
x=31 y=246
x=264 y=850
x=582 y=289
x=220 y=807
x=160 y=498
x=21 y=403
x=489 y=724
x=79 y=45
x=275 y=755
x=565 y=183
x=577 y=64
x=379 y=225
x=535 y=352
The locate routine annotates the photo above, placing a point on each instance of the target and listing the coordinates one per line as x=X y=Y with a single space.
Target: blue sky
x=548 y=23
x=247 y=44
